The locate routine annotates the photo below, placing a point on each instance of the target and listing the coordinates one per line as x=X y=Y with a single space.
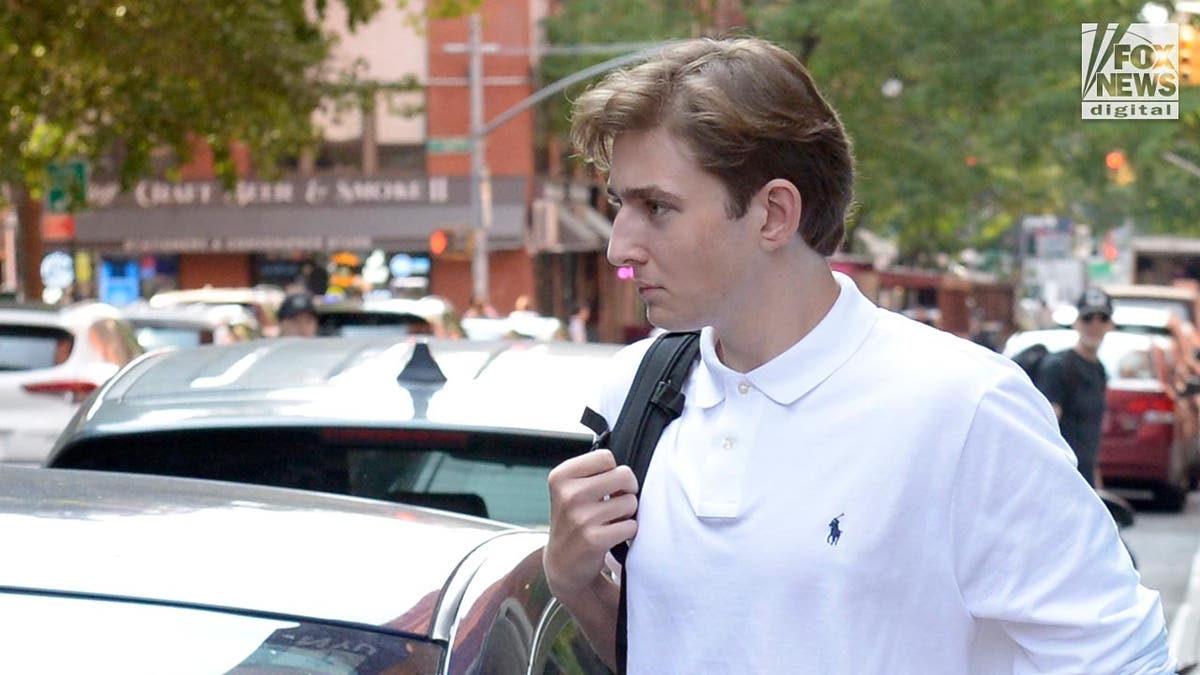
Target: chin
x=671 y=323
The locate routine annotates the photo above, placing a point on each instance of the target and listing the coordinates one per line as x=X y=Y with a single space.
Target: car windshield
x=33 y=347
x=496 y=475
x=64 y=634
x=365 y=323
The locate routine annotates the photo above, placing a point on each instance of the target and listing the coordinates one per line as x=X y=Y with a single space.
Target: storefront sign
x=246 y=244
x=317 y=191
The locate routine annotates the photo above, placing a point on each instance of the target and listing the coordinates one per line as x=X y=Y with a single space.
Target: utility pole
x=480 y=176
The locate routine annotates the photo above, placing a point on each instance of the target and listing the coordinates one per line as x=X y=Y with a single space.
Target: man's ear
x=783 y=207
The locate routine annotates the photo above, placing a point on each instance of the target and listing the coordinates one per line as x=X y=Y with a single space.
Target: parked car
x=119 y=573
x=51 y=357
x=190 y=325
x=1181 y=301
x=459 y=424
x=1150 y=438
x=389 y=316
x=262 y=301
x=520 y=326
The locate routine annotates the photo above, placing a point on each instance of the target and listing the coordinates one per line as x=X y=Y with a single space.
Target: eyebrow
x=648 y=193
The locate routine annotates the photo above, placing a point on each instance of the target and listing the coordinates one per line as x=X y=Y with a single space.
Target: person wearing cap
x=1074 y=382
x=297 y=316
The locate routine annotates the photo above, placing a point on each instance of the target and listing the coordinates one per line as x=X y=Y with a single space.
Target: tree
x=964 y=116
x=119 y=83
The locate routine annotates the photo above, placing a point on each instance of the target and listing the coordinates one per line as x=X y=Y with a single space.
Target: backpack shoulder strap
x=655 y=398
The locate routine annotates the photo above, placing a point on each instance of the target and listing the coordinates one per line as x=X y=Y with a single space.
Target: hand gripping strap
x=655 y=399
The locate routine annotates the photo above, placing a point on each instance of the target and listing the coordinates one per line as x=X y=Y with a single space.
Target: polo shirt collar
x=804 y=365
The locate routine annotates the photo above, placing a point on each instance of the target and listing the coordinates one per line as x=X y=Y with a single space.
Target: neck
x=783 y=311
x=1086 y=352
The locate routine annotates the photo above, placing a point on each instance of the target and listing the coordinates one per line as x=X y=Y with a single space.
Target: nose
x=623 y=247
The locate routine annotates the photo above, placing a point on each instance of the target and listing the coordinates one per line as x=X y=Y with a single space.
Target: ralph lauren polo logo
x=835 y=530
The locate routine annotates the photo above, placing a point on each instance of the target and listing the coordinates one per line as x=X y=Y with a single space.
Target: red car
x=1150 y=442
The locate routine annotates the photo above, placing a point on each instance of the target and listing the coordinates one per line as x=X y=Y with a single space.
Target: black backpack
x=1030 y=359
x=655 y=398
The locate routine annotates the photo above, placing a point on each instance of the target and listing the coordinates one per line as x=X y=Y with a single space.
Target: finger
x=620 y=507
x=587 y=464
x=579 y=492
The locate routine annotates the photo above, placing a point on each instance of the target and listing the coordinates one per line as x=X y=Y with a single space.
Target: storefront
x=193 y=233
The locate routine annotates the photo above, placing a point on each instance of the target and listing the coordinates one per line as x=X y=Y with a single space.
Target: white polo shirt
x=965 y=540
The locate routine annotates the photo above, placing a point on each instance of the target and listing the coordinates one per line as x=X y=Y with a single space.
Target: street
x=1164 y=544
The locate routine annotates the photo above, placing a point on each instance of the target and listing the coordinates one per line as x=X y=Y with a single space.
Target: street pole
x=480 y=180
x=481 y=193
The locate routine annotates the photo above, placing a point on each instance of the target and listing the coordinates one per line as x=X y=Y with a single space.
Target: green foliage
x=986 y=127
x=119 y=82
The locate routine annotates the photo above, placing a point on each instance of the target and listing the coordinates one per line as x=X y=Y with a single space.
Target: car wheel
x=1170 y=498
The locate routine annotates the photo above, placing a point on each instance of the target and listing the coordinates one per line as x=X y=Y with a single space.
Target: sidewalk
x=1184 y=632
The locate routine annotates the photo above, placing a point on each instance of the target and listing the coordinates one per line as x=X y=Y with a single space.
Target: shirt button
x=727 y=444
x=744 y=388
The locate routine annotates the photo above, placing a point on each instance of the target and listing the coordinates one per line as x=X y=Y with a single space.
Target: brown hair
x=749 y=112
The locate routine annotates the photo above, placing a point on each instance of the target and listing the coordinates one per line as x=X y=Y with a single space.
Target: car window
x=33 y=347
x=130 y=637
x=513 y=492
x=154 y=337
x=357 y=324
x=497 y=475
x=563 y=649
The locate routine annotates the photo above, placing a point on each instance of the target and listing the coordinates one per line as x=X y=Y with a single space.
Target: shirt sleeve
x=1037 y=552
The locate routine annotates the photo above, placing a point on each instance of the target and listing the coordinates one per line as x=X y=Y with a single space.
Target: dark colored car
x=119 y=573
x=459 y=424
x=383 y=317
x=1150 y=438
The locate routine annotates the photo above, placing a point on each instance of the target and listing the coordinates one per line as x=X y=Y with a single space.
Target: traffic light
x=450 y=243
x=1119 y=170
x=1189 y=53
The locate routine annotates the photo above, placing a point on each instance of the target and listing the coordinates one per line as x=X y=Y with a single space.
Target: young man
x=846 y=491
x=1074 y=382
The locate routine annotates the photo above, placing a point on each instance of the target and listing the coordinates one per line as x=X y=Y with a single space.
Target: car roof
x=512 y=386
x=270 y=296
x=75 y=315
x=251 y=548
x=189 y=315
x=1150 y=291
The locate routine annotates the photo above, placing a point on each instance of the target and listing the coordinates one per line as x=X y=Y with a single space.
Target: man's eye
x=657 y=208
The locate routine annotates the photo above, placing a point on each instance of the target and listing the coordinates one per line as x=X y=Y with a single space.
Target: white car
x=51 y=358
x=262 y=301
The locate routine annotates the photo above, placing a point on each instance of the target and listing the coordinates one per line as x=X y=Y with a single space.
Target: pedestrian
x=523 y=307
x=846 y=490
x=577 y=324
x=480 y=309
x=1074 y=382
x=298 y=316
